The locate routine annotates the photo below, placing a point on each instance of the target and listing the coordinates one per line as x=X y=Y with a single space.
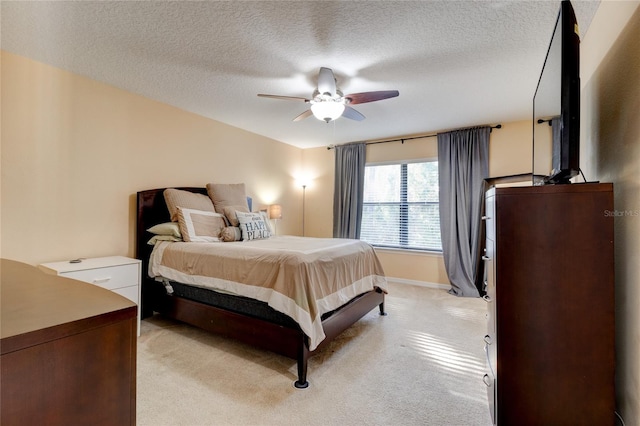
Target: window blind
x=400 y=208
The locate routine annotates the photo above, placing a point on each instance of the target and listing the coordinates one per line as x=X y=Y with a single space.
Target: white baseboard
x=419 y=283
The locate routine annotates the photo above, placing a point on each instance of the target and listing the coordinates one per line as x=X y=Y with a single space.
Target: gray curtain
x=348 y=190
x=463 y=163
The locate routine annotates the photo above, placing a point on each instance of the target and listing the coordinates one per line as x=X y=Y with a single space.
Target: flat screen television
x=556 y=105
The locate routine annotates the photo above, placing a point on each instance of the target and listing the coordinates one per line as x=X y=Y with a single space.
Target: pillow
x=156 y=238
x=190 y=200
x=265 y=217
x=231 y=233
x=200 y=225
x=228 y=194
x=230 y=213
x=252 y=226
x=167 y=228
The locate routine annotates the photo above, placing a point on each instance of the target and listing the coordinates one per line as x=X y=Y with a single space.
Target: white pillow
x=158 y=238
x=199 y=225
x=252 y=226
x=265 y=217
x=167 y=228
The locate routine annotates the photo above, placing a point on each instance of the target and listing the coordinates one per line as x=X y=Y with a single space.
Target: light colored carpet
x=422 y=364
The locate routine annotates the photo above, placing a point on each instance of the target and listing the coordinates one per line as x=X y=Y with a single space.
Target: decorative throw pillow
x=231 y=233
x=252 y=226
x=199 y=225
x=230 y=213
x=189 y=200
x=265 y=217
x=228 y=194
x=167 y=228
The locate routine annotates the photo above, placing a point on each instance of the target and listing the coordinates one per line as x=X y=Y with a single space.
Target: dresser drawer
x=489 y=380
x=111 y=277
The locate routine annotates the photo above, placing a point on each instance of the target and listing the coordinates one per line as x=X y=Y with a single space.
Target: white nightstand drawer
x=111 y=277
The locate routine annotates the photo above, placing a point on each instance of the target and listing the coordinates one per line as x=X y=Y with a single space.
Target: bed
x=241 y=308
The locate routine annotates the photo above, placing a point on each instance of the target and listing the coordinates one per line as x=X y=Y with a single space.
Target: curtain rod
x=497 y=126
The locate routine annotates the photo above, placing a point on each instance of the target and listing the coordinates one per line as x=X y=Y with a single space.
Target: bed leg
x=382 y=312
x=303 y=359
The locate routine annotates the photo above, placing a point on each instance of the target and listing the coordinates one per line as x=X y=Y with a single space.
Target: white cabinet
x=116 y=273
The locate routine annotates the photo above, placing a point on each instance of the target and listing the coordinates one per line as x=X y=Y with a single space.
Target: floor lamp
x=304 y=188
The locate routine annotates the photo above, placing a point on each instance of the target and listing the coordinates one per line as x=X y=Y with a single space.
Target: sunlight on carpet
x=446 y=355
x=464 y=313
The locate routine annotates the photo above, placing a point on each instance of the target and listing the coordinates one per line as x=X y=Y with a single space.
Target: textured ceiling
x=456 y=64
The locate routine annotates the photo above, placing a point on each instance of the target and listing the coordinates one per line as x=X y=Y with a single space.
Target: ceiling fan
x=328 y=103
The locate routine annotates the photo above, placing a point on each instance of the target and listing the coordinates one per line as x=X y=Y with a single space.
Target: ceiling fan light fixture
x=327 y=110
x=329 y=103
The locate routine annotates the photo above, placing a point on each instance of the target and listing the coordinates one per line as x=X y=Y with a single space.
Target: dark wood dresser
x=68 y=351
x=550 y=291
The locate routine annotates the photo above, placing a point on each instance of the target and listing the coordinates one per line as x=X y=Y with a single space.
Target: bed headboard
x=152 y=210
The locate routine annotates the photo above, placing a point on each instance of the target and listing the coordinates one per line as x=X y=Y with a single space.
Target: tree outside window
x=400 y=208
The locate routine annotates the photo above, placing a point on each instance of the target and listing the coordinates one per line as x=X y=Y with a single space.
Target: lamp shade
x=275 y=211
x=327 y=111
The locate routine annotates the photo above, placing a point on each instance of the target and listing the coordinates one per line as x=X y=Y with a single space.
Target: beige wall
x=319 y=170
x=511 y=149
x=610 y=152
x=75 y=151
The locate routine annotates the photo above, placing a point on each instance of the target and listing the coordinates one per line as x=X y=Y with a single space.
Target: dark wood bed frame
x=288 y=341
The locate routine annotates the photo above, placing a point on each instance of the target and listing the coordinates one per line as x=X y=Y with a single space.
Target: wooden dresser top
x=32 y=301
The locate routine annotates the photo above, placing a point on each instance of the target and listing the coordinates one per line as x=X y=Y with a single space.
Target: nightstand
x=116 y=273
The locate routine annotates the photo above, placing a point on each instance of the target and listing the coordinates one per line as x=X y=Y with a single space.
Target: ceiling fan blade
x=364 y=97
x=304 y=115
x=286 y=98
x=326 y=81
x=352 y=114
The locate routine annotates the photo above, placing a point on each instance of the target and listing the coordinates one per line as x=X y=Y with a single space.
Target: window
x=401 y=207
